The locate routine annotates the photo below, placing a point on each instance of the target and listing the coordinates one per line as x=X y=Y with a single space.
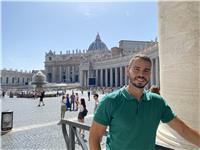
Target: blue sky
x=29 y=29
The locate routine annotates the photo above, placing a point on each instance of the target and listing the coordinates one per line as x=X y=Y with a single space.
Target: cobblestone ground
x=36 y=127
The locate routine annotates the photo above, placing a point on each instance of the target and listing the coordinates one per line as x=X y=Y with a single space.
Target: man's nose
x=141 y=74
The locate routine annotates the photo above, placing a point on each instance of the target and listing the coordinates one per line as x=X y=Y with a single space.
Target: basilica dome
x=97 y=44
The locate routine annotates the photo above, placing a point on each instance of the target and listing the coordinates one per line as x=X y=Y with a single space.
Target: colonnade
x=116 y=76
x=62 y=74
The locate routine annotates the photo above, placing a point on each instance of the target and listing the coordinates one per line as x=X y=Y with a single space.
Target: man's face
x=139 y=73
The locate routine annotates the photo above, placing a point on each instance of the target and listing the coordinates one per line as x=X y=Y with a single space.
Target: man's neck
x=136 y=92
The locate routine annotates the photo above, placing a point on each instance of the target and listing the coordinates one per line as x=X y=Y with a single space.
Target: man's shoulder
x=115 y=95
x=154 y=97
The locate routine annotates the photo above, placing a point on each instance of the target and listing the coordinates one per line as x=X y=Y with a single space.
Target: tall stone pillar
x=101 y=77
x=69 y=74
x=121 y=77
x=73 y=73
x=179 y=53
x=106 y=77
x=125 y=75
x=111 y=77
x=157 y=71
x=116 y=77
x=53 y=74
x=96 y=71
x=152 y=73
x=81 y=78
x=60 y=74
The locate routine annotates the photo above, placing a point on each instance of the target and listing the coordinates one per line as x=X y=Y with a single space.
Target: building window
x=13 y=80
x=1 y=79
x=7 y=80
x=18 y=80
x=49 y=58
x=23 y=80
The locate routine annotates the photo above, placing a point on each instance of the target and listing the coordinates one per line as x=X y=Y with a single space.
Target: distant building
x=14 y=78
x=104 y=67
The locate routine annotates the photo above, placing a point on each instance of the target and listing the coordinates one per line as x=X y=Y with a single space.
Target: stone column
x=101 y=77
x=179 y=53
x=53 y=74
x=81 y=78
x=116 y=77
x=157 y=71
x=96 y=77
x=73 y=73
x=85 y=81
x=60 y=74
x=111 y=77
x=152 y=72
x=69 y=74
x=106 y=77
x=121 y=77
x=125 y=75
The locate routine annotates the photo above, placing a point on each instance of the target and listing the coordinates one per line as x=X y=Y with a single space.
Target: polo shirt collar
x=128 y=96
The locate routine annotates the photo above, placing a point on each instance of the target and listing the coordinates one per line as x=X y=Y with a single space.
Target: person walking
x=63 y=106
x=68 y=105
x=133 y=114
x=96 y=99
x=41 y=101
x=81 y=115
x=88 y=94
x=72 y=97
x=76 y=101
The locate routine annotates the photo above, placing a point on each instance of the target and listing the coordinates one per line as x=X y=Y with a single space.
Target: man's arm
x=96 y=133
x=185 y=131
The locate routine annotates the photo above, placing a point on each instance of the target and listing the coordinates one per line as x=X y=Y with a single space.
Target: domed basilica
x=99 y=65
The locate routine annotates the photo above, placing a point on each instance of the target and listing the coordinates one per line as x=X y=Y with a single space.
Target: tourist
x=63 y=106
x=42 y=94
x=81 y=115
x=133 y=114
x=76 y=101
x=88 y=94
x=68 y=105
x=72 y=97
x=3 y=93
x=96 y=96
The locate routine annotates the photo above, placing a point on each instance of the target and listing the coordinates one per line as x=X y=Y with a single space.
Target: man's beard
x=139 y=85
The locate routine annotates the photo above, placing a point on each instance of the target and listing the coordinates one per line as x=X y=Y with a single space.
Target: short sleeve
x=102 y=114
x=167 y=113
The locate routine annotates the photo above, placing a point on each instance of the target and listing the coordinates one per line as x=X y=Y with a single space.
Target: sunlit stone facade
x=107 y=67
x=13 y=78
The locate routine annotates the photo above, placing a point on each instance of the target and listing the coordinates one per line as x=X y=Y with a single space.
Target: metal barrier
x=70 y=138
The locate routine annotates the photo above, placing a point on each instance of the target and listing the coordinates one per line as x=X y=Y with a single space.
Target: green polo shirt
x=132 y=124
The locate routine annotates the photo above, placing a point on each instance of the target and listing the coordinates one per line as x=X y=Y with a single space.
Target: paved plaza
x=36 y=127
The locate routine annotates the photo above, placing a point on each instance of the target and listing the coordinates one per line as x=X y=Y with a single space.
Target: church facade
x=98 y=66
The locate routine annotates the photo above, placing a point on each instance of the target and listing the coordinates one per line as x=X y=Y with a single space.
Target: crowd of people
x=74 y=102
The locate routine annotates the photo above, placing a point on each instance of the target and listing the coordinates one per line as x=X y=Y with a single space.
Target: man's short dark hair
x=141 y=56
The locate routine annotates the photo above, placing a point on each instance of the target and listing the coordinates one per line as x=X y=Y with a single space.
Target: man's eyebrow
x=147 y=69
